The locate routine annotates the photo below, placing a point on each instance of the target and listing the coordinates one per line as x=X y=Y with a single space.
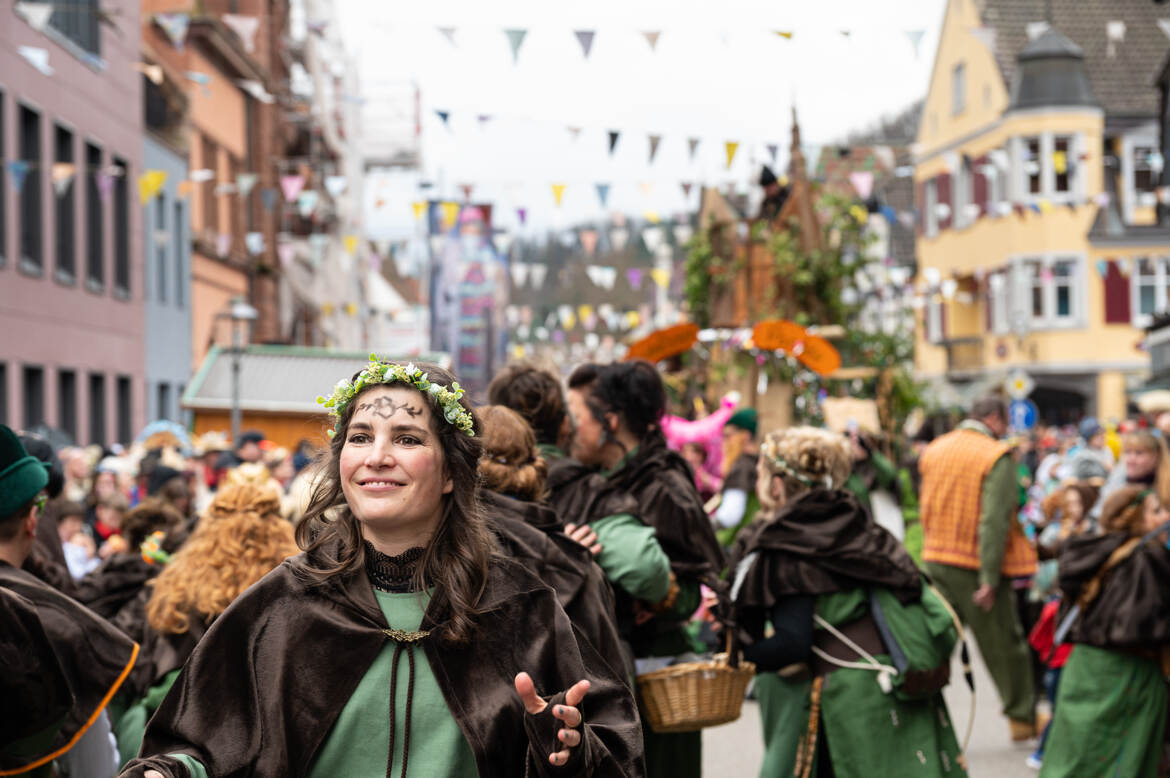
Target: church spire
x=796 y=163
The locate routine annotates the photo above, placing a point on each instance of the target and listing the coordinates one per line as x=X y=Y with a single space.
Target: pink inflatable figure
x=708 y=431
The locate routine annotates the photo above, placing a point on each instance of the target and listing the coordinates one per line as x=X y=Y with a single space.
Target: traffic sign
x=1023 y=414
x=1019 y=385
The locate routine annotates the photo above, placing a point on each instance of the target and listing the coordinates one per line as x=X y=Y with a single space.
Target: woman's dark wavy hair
x=456 y=559
x=633 y=390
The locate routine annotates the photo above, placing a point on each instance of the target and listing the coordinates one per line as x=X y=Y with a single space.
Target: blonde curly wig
x=809 y=456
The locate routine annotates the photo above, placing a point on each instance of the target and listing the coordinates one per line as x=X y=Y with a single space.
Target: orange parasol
x=777 y=334
x=666 y=343
x=819 y=355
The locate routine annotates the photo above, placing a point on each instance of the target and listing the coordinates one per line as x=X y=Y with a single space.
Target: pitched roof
x=1123 y=82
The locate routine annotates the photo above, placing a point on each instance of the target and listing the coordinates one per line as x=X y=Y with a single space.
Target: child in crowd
x=109 y=510
x=80 y=550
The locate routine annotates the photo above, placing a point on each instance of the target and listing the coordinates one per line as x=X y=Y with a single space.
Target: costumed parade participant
x=641 y=485
x=398 y=638
x=850 y=682
x=240 y=537
x=739 y=504
x=513 y=475
x=55 y=723
x=537 y=396
x=1110 y=716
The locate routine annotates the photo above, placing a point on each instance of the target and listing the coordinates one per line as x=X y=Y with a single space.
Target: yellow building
x=1036 y=173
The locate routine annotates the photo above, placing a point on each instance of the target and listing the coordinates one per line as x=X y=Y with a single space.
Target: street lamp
x=241 y=315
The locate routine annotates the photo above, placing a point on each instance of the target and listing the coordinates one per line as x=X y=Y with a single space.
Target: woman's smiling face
x=392 y=471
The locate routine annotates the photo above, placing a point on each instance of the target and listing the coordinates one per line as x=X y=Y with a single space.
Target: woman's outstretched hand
x=568 y=712
x=584 y=535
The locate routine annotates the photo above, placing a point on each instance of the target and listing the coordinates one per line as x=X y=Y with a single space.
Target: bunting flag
x=537 y=274
x=613 y=139
x=522 y=215
x=149 y=184
x=682 y=233
x=588 y=241
x=646 y=187
x=661 y=276
x=915 y=38
x=574 y=132
x=292 y=185
x=515 y=40
x=519 y=274
x=466 y=189
x=183 y=188
x=585 y=38
x=603 y=194
x=773 y=149
x=651 y=216
x=201 y=175
x=202 y=79
x=286 y=252
x=618 y=238
x=336 y=185
x=223 y=244
x=503 y=243
x=450 y=212
x=444 y=115
x=175 y=26
x=61 y=174
x=730 y=147
x=654 y=141
x=268 y=197
x=18 y=171
x=437 y=242
x=254 y=242
x=245 y=182
x=651 y=37
x=633 y=319
x=36 y=14
x=245 y=27
x=558 y=191
x=38 y=58
x=652 y=237
x=483 y=119
x=350 y=242
x=785 y=34
x=692 y=144
x=686 y=188
x=307 y=203
x=986 y=36
x=1060 y=162
x=449 y=34
x=419 y=208
x=1164 y=26
x=862 y=181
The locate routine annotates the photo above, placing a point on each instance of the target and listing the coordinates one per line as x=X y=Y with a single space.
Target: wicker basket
x=693 y=695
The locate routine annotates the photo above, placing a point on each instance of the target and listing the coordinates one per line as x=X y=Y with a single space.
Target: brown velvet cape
x=1132 y=607
x=94 y=657
x=112 y=591
x=562 y=564
x=262 y=689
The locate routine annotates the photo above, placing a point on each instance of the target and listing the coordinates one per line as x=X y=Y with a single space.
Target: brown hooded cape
x=112 y=591
x=93 y=657
x=531 y=535
x=262 y=689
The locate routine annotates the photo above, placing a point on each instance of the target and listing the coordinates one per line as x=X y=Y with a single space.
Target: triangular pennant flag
x=730 y=147
x=153 y=72
x=603 y=194
x=654 y=141
x=245 y=27
x=537 y=274
x=467 y=189
x=915 y=38
x=444 y=115
x=201 y=175
x=437 y=242
x=36 y=14
x=651 y=216
x=574 y=132
x=483 y=119
x=149 y=184
x=634 y=278
x=307 y=203
x=449 y=34
x=292 y=185
x=61 y=175
x=38 y=58
x=268 y=196
x=522 y=215
x=646 y=187
x=419 y=207
x=862 y=181
x=350 y=242
x=245 y=182
x=772 y=150
x=519 y=274
x=661 y=276
x=610 y=277
x=335 y=185
x=1164 y=26
x=225 y=189
x=223 y=244
x=254 y=242
x=785 y=34
x=652 y=237
x=175 y=26
x=618 y=238
x=203 y=79
x=585 y=38
x=503 y=243
x=589 y=241
x=18 y=171
x=558 y=191
x=686 y=187
x=613 y=139
x=450 y=210
x=986 y=36
x=286 y=252
x=515 y=40
x=652 y=38
x=257 y=90
x=692 y=144
x=682 y=233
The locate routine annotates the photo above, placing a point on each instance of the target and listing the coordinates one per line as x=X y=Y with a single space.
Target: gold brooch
x=406 y=635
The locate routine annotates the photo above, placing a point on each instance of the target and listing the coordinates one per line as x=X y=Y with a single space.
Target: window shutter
x=1117 y=306
x=988 y=307
x=920 y=200
x=942 y=320
x=944 y=196
x=980 y=185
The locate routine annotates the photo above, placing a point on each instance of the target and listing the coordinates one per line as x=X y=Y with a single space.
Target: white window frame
x=930 y=208
x=1161 y=280
x=996 y=188
x=933 y=317
x=962 y=195
x=1076 y=184
x=998 y=288
x=1021 y=298
x=958 y=88
x=1145 y=137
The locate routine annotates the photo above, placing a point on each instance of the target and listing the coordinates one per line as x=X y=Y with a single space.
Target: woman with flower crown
x=399 y=642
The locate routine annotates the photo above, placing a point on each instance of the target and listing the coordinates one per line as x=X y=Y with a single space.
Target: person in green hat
x=94 y=657
x=738 y=504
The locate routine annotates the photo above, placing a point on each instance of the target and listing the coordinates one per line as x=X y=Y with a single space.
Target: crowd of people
x=445 y=589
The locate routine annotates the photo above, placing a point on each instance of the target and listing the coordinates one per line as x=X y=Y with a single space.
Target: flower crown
x=379 y=372
x=771 y=450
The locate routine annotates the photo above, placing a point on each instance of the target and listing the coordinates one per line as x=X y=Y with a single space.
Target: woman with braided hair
x=850 y=681
x=400 y=641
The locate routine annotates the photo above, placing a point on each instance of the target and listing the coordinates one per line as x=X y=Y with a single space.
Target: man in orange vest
x=974 y=546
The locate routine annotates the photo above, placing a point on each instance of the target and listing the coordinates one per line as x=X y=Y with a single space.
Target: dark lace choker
x=392 y=573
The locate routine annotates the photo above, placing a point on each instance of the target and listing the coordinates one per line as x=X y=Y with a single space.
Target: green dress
x=869 y=734
x=1110 y=716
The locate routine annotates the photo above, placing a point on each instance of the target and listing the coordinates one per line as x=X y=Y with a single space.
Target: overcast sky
x=719 y=73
